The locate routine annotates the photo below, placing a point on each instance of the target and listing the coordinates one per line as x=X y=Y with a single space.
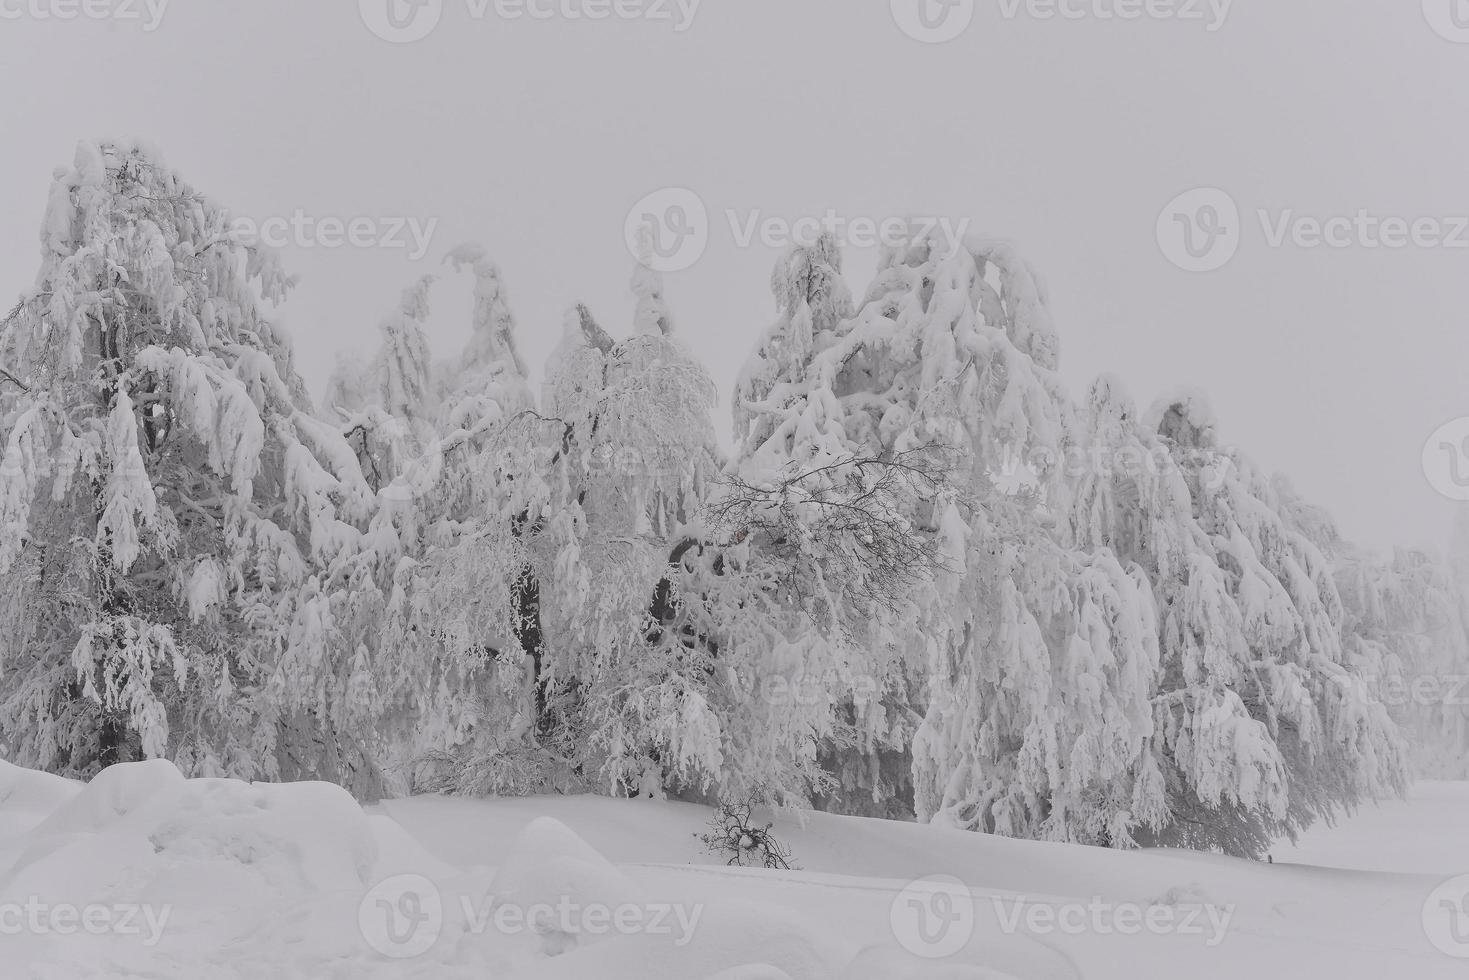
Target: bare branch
x=843 y=535
x=7 y=376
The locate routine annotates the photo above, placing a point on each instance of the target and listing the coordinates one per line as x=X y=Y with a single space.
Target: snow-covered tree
x=165 y=493
x=1041 y=657
x=489 y=381
x=813 y=300
x=406 y=371
x=686 y=623
x=1405 y=631
x=840 y=531
x=1213 y=770
x=638 y=455
x=560 y=543
x=1019 y=675
x=1276 y=645
x=455 y=518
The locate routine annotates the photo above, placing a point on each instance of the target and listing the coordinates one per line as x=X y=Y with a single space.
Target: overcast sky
x=536 y=136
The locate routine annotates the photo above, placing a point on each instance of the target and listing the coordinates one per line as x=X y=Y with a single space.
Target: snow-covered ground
x=145 y=874
x=1426 y=834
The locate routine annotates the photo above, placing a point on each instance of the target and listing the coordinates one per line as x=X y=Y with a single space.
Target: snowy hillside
x=145 y=874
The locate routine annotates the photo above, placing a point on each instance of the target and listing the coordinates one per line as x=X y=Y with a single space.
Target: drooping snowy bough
x=168 y=504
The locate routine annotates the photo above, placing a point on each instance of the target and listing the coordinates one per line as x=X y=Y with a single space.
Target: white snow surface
x=226 y=879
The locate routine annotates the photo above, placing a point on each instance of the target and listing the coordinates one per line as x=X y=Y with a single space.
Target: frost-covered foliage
x=1206 y=754
x=167 y=500
x=925 y=583
x=1263 y=723
x=1406 y=632
x=1338 y=744
x=1011 y=686
x=1039 y=656
x=635 y=454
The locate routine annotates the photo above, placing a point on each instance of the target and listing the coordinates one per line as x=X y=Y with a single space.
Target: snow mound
x=27 y=798
x=551 y=867
x=113 y=793
x=300 y=837
x=217 y=859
